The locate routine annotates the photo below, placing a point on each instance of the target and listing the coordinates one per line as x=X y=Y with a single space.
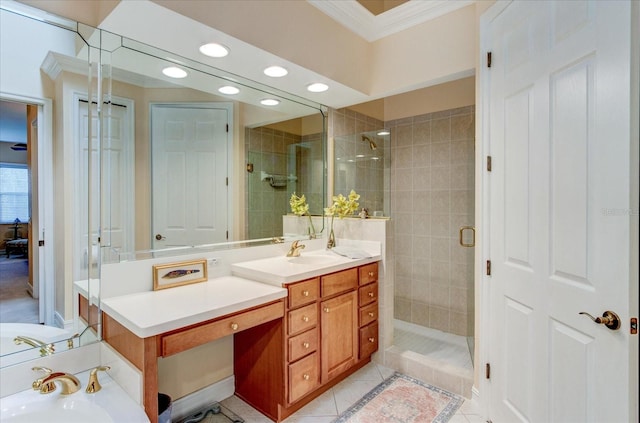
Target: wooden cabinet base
x=281 y=411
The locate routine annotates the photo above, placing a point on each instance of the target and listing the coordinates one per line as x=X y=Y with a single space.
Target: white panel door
x=189 y=153
x=559 y=197
x=116 y=229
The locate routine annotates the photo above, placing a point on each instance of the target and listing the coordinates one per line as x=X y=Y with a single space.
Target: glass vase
x=331 y=240
x=312 y=229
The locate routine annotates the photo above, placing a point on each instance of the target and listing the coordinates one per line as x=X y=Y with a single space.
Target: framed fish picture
x=179 y=273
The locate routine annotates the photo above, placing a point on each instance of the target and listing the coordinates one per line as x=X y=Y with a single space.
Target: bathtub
x=47 y=334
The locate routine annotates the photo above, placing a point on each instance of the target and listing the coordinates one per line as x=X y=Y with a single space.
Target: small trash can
x=164 y=408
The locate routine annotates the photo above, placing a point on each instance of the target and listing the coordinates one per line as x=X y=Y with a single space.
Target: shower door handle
x=473 y=232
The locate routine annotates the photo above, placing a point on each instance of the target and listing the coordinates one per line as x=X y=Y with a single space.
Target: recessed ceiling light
x=275 y=71
x=375 y=158
x=383 y=133
x=214 y=50
x=269 y=102
x=174 y=72
x=228 y=89
x=317 y=87
x=350 y=160
x=359 y=155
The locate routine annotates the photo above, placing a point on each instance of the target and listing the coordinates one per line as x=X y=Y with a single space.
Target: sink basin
x=311 y=259
x=282 y=270
x=70 y=411
x=109 y=405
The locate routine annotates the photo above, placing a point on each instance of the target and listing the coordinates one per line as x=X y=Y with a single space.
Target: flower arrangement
x=299 y=207
x=342 y=207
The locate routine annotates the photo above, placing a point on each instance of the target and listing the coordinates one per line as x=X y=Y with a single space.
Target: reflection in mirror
x=362 y=161
x=57 y=197
x=210 y=168
x=283 y=159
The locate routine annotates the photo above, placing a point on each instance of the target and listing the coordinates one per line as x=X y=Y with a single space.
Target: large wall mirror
x=47 y=261
x=200 y=158
x=117 y=141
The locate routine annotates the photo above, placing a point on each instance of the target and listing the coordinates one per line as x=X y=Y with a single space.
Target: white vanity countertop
x=154 y=312
x=279 y=271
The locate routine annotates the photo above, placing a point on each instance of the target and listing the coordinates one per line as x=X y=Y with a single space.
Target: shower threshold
x=439 y=358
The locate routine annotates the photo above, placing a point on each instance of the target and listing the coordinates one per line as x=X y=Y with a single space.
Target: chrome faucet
x=294 y=251
x=69 y=383
x=45 y=349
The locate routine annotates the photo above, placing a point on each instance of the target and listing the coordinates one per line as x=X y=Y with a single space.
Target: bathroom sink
x=67 y=410
x=281 y=270
x=312 y=259
x=109 y=405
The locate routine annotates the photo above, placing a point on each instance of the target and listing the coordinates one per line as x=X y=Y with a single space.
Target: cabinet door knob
x=234 y=326
x=305 y=344
x=326 y=309
x=305 y=376
x=305 y=293
x=370 y=274
x=372 y=340
x=305 y=318
x=371 y=294
x=371 y=314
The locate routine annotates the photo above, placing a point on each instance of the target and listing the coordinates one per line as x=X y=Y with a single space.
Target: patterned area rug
x=403 y=399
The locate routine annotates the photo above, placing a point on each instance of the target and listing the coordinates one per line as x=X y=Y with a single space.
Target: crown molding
x=359 y=20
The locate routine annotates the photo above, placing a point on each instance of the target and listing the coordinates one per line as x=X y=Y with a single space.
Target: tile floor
x=332 y=403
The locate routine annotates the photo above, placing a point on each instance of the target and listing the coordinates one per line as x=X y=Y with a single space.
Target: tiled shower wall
x=432 y=180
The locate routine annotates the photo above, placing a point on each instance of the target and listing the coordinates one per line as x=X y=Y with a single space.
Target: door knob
x=160 y=237
x=609 y=319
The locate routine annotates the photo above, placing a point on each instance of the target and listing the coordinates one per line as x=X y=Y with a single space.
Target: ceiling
x=360 y=20
x=186 y=34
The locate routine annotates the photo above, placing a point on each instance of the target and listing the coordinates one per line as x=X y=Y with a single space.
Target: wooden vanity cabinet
x=325 y=336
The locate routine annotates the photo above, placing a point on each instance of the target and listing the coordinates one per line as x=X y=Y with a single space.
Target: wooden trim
x=123 y=341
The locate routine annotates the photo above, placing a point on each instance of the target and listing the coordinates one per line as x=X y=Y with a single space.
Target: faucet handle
x=37 y=384
x=93 y=385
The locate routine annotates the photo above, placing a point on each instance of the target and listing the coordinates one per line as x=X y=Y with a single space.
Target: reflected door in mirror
x=189 y=145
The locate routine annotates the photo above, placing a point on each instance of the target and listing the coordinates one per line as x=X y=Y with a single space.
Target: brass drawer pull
x=370 y=274
x=305 y=293
x=326 y=309
x=234 y=326
x=305 y=344
x=371 y=294
x=305 y=318
x=372 y=340
x=305 y=376
x=371 y=314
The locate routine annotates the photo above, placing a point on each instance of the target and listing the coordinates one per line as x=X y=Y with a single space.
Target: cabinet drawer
x=303 y=377
x=302 y=319
x=303 y=344
x=367 y=294
x=189 y=338
x=368 y=273
x=336 y=283
x=368 y=314
x=302 y=293
x=368 y=340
